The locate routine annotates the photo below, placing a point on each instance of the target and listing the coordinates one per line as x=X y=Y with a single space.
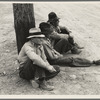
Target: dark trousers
x=72 y=62
x=30 y=71
x=63 y=46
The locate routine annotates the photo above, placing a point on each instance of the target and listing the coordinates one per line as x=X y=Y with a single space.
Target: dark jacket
x=58 y=34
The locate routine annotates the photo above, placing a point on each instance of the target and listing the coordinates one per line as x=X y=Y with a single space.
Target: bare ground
x=83 y=19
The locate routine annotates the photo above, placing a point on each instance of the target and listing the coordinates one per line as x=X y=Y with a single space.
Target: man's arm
x=64 y=30
x=37 y=59
x=51 y=54
x=56 y=35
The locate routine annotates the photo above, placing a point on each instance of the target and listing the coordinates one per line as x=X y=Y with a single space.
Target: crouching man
x=61 y=38
x=33 y=61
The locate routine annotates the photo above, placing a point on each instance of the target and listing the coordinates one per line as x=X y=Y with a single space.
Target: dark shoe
x=44 y=86
x=78 y=46
x=75 y=50
x=96 y=62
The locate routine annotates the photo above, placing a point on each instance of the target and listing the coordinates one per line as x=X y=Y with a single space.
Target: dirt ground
x=83 y=19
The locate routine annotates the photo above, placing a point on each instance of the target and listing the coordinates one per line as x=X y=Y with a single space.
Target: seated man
x=61 y=39
x=33 y=61
x=55 y=57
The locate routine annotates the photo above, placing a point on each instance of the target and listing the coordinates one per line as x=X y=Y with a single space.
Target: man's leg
x=45 y=73
x=33 y=72
x=71 y=41
x=30 y=71
x=72 y=62
x=61 y=61
x=27 y=70
x=63 y=46
x=45 y=76
x=51 y=75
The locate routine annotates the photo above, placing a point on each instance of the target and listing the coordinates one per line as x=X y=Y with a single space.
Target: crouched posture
x=33 y=61
x=60 y=38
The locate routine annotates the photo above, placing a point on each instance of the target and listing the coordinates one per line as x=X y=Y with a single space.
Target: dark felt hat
x=45 y=27
x=52 y=17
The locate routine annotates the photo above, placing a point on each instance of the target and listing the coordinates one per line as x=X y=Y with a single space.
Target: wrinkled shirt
x=33 y=51
x=38 y=51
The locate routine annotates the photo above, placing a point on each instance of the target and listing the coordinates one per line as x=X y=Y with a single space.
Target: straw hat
x=35 y=32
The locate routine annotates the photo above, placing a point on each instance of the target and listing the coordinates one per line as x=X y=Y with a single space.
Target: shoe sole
x=46 y=89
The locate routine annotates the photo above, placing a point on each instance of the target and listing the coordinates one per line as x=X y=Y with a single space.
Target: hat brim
x=33 y=36
x=50 y=20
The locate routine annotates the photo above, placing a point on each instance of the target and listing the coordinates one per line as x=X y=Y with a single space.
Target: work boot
x=71 y=41
x=44 y=86
x=96 y=62
x=34 y=83
x=78 y=46
x=75 y=50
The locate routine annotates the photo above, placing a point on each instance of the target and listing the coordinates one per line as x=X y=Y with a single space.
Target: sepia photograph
x=50 y=48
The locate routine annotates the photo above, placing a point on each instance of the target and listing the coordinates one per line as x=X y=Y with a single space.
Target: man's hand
x=51 y=69
x=70 y=39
